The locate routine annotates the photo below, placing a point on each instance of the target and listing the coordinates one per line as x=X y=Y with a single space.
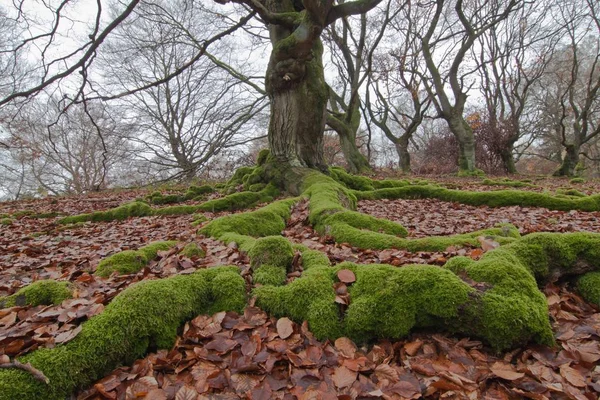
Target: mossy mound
x=240 y=228
x=271 y=250
x=130 y=261
x=506 y=310
x=44 y=292
x=145 y=316
x=577 y=180
x=193 y=250
x=195 y=192
x=588 y=286
x=134 y=209
x=241 y=200
x=158 y=198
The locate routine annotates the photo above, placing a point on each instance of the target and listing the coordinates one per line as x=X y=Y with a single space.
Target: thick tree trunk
x=570 y=161
x=466 y=143
x=298 y=94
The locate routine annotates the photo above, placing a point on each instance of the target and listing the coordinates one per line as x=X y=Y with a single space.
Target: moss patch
x=144 y=316
x=500 y=198
x=134 y=209
x=44 y=292
x=266 y=221
x=241 y=200
x=588 y=286
x=130 y=261
x=193 y=250
x=272 y=250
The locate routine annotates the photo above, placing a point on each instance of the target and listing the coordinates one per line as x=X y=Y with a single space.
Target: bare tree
x=64 y=151
x=511 y=57
x=355 y=40
x=579 y=82
x=189 y=119
x=401 y=100
x=451 y=29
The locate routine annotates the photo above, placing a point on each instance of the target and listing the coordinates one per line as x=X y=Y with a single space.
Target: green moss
x=355 y=182
x=272 y=250
x=388 y=183
x=588 y=286
x=577 y=180
x=545 y=254
x=241 y=200
x=197 y=191
x=23 y=213
x=6 y=221
x=506 y=182
x=269 y=275
x=389 y=302
x=134 y=209
x=368 y=239
x=499 y=198
x=237 y=179
x=570 y=192
x=228 y=292
x=199 y=219
x=144 y=316
x=310 y=297
x=475 y=173
x=130 y=261
x=193 y=250
x=266 y=221
x=257 y=187
x=263 y=155
x=44 y=292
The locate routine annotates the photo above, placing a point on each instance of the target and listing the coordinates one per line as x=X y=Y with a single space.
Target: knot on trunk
x=288 y=72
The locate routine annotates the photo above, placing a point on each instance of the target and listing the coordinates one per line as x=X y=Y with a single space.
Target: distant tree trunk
x=357 y=162
x=466 y=142
x=403 y=155
x=569 y=162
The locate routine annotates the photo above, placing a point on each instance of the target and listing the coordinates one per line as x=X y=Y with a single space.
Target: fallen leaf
x=285 y=327
x=505 y=371
x=346 y=276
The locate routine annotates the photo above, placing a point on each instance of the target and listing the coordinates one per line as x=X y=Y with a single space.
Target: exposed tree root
x=495 y=298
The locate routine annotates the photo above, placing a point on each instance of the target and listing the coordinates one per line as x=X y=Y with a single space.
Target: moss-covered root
x=242 y=228
x=134 y=209
x=271 y=258
x=551 y=256
x=500 y=198
x=241 y=200
x=131 y=261
x=146 y=315
x=588 y=286
x=389 y=302
x=44 y=292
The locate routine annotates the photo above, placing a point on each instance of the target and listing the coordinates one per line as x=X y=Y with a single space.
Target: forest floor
x=253 y=356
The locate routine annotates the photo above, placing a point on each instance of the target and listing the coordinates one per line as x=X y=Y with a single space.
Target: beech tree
x=353 y=42
x=450 y=31
x=396 y=98
x=511 y=58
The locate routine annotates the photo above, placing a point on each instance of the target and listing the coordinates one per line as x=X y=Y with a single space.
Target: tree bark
x=403 y=155
x=570 y=161
x=296 y=87
x=357 y=162
x=466 y=142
